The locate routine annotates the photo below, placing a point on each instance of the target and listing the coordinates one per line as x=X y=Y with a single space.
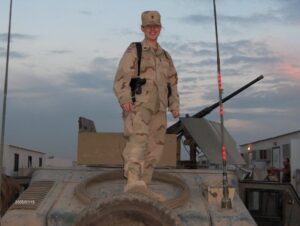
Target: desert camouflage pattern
x=151 y=18
x=145 y=125
x=158 y=69
x=145 y=134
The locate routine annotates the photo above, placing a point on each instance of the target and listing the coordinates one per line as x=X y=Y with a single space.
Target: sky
x=64 y=55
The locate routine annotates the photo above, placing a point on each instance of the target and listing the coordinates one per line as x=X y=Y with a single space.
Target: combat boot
x=147 y=175
x=147 y=178
x=155 y=195
x=134 y=183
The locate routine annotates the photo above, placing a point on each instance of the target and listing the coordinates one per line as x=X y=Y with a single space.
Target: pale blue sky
x=64 y=54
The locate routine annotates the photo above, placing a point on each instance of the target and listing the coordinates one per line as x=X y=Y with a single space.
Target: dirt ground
x=10 y=189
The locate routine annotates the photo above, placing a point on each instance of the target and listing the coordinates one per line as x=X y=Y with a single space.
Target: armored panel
x=106 y=149
x=207 y=135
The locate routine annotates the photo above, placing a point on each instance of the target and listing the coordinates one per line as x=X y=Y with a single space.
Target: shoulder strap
x=166 y=55
x=139 y=55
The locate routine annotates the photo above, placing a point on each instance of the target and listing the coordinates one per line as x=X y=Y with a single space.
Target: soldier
x=145 y=116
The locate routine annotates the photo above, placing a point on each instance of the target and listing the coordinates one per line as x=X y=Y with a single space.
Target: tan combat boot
x=155 y=195
x=147 y=174
x=134 y=183
x=147 y=178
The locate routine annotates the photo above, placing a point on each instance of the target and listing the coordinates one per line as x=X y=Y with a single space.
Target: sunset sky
x=64 y=55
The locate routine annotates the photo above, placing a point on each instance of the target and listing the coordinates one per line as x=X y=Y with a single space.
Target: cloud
x=196 y=19
x=61 y=51
x=291 y=70
x=198 y=72
x=85 y=12
x=253 y=19
x=205 y=52
x=282 y=12
x=12 y=54
x=241 y=125
x=273 y=93
x=19 y=36
x=52 y=108
x=91 y=81
x=126 y=31
x=250 y=60
x=261 y=111
x=178 y=48
x=104 y=63
x=289 y=11
x=250 y=20
x=276 y=105
x=15 y=36
x=257 y=110
x=230 y=48
x=97 y=77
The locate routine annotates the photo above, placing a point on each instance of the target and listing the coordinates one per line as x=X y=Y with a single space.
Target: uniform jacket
x=158 y=69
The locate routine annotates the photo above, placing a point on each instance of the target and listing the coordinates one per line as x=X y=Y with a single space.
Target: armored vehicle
x=91 y=193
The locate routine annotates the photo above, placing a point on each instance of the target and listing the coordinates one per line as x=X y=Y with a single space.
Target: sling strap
x=139 y=55
x=138 y=46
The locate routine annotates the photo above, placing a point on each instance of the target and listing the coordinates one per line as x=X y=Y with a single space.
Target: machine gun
x=177 y=127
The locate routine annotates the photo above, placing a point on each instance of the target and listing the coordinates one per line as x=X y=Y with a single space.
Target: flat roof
x=26 y=149
x=270 y=138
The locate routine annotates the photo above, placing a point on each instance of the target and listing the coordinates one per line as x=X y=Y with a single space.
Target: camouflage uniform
x=145 y=125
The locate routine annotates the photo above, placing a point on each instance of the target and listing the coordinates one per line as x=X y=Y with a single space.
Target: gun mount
x=177 y=127
x=203 y=134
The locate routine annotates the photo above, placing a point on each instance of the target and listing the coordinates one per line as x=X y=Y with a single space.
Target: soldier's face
x=151 y=32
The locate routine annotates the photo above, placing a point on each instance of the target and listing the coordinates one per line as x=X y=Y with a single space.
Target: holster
x=136 y=86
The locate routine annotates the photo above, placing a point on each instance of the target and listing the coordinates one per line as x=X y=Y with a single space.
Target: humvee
x=91 y=193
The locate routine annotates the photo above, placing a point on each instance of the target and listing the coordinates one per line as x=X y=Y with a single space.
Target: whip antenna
x=4 y=102
x=226 y=202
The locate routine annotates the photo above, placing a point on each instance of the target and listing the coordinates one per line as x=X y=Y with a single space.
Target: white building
x=19 y=161
x=272 y=151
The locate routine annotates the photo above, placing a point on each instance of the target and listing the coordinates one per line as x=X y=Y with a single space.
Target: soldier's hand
x=175 y=114
x=127 y=107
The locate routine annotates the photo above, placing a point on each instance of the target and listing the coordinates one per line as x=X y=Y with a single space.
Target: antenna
x=226 y=202
x=4 y=101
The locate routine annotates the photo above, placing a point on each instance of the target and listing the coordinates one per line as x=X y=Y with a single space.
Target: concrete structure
x=271 y=152
x=19 y=161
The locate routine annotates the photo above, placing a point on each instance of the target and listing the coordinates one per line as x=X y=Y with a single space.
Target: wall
x=295 y=163
x=271 y=144
x=106 y=149
x=9 y=160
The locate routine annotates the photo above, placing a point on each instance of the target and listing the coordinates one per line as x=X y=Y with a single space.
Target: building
x=19 y=161
x=271 y=152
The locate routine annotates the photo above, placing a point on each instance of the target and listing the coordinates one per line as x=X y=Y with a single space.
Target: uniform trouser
x=145 y=134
